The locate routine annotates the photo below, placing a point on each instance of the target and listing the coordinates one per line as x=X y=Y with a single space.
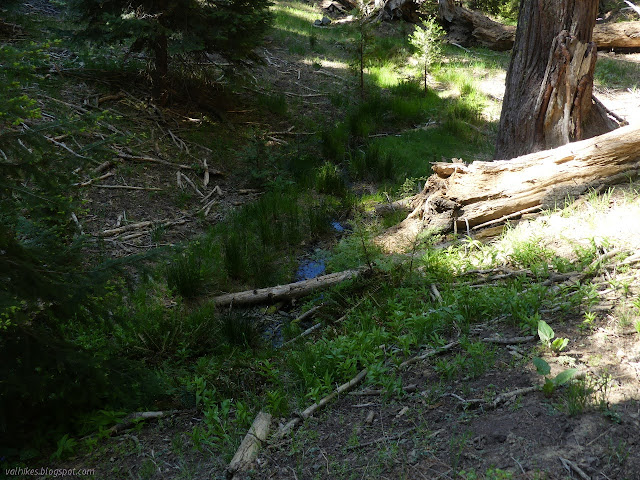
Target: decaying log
x=398 y=9
x=617 y=36
x=468 y=27
x=248 y=450
x=284 y=292
x=475 y=194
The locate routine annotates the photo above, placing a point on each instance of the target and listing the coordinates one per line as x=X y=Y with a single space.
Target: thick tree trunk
x=460 y=197
x=549 y=83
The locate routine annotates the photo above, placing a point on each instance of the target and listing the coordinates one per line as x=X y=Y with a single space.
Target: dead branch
x=151 y=160
x=128 y=187
x=284 y=292
x=90 y=181
x=375 y=392
x=430 y=353
x=569 y=465
x=509 y=341
x=190 y=182
x=345 y=387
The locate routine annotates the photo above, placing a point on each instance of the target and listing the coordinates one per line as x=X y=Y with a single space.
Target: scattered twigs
x=345 y=387
x=253 y=440
x=389 y=438
x=455 y=343
x=217 y=190
x=138 y=226
x=103 y=166
x=142 y=158
x=571 y=466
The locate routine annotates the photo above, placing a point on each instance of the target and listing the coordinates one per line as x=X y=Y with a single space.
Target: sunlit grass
x=384 y=76
x=617 y=73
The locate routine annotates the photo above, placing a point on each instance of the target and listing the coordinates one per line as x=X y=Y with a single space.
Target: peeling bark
x=459 y=196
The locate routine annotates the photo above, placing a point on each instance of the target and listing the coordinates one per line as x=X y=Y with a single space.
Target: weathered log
x=471 y=195
x=398 y=9
x=468 y=27
x=617 y=36
x=284 y=292
x=248 y=449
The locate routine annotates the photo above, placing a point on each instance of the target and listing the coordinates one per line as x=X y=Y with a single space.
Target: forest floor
x=434 y=425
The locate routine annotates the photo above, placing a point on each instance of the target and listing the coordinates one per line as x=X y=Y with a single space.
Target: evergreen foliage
x=164 y=28
x=49 y=286
x=426 y=41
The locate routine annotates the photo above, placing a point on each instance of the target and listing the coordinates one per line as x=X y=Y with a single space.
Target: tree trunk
x=549 y=83
x=467 y=197
x=160 y=69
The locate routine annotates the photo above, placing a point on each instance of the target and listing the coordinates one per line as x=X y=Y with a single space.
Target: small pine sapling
x=426 y=41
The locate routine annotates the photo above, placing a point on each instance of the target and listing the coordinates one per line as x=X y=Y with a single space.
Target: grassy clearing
x=616 y=73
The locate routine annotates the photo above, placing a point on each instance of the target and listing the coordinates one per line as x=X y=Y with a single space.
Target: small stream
x=310 y=266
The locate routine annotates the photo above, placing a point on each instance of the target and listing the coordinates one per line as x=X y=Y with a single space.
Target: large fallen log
x=284 y=292
x=466 y=197
x=468 y=27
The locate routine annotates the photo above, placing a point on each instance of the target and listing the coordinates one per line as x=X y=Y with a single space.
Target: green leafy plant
x=66 y=447
x=551 y=384
x=546 y=334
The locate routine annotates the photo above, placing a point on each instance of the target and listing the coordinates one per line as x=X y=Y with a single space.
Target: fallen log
x=617 y=36
x=465 y=196
x=248 y=449
x=284 y=292
x=469 y=27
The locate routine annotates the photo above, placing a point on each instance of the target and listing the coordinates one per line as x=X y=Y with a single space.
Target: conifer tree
x=166 y=27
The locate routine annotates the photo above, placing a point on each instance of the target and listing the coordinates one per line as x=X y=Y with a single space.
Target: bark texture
x=460 y=197
x=549 y=83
